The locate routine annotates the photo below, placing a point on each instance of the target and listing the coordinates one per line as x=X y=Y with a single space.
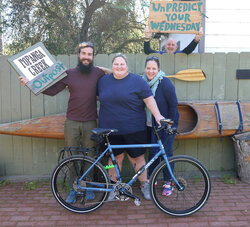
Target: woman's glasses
x=152 y=58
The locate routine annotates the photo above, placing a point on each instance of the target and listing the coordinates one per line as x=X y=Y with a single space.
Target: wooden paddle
x=189 y=75
x=186 y=74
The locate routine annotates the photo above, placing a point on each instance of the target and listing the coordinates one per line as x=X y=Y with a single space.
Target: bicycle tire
x=65 y=176
x=191 y=174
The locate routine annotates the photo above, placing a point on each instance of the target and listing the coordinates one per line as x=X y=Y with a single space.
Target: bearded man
x=81 y=113
x=82 y=107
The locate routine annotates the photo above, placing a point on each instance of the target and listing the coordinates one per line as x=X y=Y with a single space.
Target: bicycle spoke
x=65 y=188
x=192 y=176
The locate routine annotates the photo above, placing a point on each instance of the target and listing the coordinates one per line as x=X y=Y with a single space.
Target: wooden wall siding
x=37 y=156
x=220 y=37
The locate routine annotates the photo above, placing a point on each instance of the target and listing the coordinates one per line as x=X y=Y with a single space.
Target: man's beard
x=85 y=68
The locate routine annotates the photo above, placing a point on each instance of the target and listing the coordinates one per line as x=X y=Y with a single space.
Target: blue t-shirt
x=121 y=103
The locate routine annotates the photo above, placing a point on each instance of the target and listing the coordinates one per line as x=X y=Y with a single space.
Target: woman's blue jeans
x=168 y=141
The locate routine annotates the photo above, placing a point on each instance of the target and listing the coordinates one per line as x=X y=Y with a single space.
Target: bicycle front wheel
x=191 y=175
x=65 y=182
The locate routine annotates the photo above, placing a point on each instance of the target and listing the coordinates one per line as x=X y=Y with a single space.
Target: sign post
x=175 y=16
x=38 y=66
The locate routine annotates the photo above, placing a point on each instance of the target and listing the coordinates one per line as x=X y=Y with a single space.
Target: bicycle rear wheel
x=190 y=174
x=64 y=181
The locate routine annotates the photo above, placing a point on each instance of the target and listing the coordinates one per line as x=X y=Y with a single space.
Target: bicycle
x=189 y=178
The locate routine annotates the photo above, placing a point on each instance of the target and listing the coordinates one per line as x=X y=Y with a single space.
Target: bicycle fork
x=163 y=153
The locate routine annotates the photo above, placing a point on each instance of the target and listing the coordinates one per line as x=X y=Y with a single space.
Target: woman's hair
x=120 y=55
x=153 y=58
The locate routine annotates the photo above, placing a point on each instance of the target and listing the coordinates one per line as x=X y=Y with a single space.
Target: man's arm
x=147 y=48
x=190 y=48
x=53 y=90
x=104 y=69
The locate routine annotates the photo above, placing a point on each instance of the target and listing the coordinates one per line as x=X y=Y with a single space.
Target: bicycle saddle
x=103 y=131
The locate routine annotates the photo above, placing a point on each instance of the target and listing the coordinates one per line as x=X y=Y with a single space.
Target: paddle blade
x=189 y=75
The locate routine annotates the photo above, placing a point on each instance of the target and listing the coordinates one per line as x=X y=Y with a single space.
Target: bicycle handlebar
x=166 y=124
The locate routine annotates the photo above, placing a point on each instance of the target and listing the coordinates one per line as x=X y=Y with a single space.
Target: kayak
x=197 y=120
x=203 y=120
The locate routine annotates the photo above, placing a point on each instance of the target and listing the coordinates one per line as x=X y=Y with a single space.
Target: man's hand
x=23 y=80
x=147 y=33
x=199 y=35
x=105 y=70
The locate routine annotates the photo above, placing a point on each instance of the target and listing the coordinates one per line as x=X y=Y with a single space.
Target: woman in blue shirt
x=123 y=96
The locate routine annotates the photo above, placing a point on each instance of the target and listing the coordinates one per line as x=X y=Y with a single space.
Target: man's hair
x=86 y=44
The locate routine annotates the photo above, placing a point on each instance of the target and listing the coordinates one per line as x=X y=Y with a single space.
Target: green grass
x=228 y=179
x=196 y=179
x=28 y=186
x=4 y=183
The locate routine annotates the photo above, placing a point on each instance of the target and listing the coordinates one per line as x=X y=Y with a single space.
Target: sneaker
x=90 y=195
x=145 y=191
x=167 y=189
x=71 y=197
x=111 y=196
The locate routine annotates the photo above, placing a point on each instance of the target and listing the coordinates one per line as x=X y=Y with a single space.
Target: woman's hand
x=158 y=119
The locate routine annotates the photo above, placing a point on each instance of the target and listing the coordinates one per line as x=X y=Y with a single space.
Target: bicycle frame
x=138 y=173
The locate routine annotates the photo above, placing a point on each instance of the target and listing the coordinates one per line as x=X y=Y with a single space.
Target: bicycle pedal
x=137 y=202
